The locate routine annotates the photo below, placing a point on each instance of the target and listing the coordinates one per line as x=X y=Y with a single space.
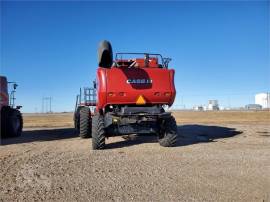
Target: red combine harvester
x=11 y=118
x=131 y=96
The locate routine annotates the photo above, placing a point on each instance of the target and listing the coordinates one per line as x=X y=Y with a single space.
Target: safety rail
x=87 y=97
x=164 y=61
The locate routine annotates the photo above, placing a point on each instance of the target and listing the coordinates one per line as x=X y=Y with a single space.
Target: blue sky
x=220 y=50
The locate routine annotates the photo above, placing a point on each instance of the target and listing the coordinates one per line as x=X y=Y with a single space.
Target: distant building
x=263 y=99
x=221 y=108
x=198 y=108
x=213 y=105
x=253 y=107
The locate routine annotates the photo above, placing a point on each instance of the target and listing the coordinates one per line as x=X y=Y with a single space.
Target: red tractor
x=131 y=95
x=11 y=118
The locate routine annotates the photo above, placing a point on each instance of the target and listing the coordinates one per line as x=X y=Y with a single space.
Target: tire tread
x=98 y=132
x=85 y=121
x=170 y=136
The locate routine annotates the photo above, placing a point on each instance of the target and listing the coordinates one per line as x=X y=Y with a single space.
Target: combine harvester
x=131 y=95
x=11 y=117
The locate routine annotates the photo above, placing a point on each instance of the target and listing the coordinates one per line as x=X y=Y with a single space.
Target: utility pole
x=50 y=99
x=46 y=104
x=42 y=111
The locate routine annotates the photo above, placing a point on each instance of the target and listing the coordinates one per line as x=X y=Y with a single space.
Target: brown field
x=48 y=120
x=220 y=156
x=212 y=117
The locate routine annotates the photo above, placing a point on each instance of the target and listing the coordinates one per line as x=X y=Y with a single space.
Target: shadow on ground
x=187 y=135
x=131 y=140
x=41 y=135
x=193 y=134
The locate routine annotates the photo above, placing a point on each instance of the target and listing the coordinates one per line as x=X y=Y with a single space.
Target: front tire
x=168 y=134
x=98 y=132
x=85 y=122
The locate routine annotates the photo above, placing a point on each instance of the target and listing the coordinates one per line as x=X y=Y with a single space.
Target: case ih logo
x=139 y=81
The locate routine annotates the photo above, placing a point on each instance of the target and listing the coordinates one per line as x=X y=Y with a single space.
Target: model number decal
x=139 y=81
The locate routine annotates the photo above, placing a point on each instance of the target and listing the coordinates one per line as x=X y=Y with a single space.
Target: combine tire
x=85 y=122
x=98 y=132
x=105 y=54
x=168 y=135
x=11 y=122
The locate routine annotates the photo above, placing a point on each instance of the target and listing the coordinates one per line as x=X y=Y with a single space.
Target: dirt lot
x=220 y=156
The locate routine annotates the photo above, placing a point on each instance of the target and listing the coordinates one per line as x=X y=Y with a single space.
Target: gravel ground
x=210 y=163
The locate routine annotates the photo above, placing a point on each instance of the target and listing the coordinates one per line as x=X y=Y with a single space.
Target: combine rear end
x=131 y=96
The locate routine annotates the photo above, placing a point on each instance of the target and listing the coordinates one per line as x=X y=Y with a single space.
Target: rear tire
x=76 y=118
x=168 y=135
x=98 y=132
x=85 y=122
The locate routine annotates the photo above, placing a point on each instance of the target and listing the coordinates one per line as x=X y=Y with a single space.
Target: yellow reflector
x=140 y=100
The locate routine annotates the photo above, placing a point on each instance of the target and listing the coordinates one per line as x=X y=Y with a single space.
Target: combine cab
x=132 y=91
x=11 y=118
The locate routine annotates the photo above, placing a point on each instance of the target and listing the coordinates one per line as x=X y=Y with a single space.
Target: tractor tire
x=3 y=122
x=98 y=132
x=76 y=118
x=105 y=54
x=85 y=122
x=168 y=135
x=11 y=122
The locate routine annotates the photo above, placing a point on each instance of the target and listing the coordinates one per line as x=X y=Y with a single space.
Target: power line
x=47 y=104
